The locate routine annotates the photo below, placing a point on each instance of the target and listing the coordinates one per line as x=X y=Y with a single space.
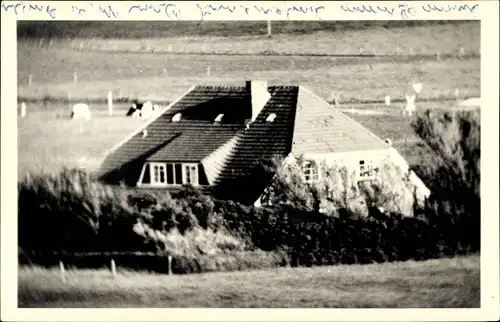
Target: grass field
x=250 y=37
x=128 y=67
x=47 y=141
x=142 y=75
x=444 y=283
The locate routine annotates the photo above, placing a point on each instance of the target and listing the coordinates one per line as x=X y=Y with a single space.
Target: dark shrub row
x=71 y=213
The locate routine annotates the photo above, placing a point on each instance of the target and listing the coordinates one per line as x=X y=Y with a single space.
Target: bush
x=455 y=138
x=338 y=189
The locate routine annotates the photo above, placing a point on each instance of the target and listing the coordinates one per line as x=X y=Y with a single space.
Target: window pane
x=187 y=174
x=170 y=173
x=155 y=173
x=178 y=174
x=162 y=174
x=194 y=174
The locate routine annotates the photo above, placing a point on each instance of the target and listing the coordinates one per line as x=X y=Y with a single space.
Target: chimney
x=259 y=96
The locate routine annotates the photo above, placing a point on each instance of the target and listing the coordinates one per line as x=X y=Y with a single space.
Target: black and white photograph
x=249 y=163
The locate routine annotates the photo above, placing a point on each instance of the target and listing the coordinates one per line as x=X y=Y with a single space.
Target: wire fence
x=130 y=260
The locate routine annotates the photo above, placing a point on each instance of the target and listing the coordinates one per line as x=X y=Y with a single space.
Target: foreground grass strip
x=444 y=283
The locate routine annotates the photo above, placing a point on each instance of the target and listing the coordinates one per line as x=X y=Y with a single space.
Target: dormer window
x=177 y=117
x=219 y=118
x=271 y=117
x=167 y=174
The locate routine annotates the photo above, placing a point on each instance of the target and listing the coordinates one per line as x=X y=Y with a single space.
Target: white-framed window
x=158 y=174
x=163 y=174
x=310 y=170
x=190 y=174
x=366 y=170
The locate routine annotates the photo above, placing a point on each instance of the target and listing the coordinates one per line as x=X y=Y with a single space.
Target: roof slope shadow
x=127 y=172
x=244 y=176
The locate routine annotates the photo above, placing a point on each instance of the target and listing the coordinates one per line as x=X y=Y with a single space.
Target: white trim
x=145 y=125
x=184 y=174
x=153 y=184
x=141 y=176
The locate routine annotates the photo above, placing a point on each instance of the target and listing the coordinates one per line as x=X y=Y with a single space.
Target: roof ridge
x=343 y=115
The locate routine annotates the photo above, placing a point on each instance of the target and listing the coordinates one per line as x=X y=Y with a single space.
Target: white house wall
x=350 y=160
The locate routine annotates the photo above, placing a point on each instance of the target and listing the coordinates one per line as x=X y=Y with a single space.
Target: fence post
x=75 y=77
x=23 y=109
x=63 y=273
x=113 y=267
x=169 y=265
x=387 y=100
x=110 y=103
x=208 y=70
x=461 y=52
x=30 y=79
x=269 y=28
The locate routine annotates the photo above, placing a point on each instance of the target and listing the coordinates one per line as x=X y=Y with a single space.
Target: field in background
x=47 y=141
x=147 y=29
x=250 y=37
x=143 y=75
x=443 y=283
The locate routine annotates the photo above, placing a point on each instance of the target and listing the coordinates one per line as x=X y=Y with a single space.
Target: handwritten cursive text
x=21 y=8
x=210 y=9
x=449 y=7
x=170 y=10
x=367 y=9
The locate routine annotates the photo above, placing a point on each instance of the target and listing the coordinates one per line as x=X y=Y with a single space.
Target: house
x=214 y=137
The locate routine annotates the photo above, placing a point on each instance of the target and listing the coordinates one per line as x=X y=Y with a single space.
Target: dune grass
x=443 y=283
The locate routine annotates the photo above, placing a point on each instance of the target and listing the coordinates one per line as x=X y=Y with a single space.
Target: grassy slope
x=423 y=39
x=143 y=74
x=435 y=283
x=149 y=29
